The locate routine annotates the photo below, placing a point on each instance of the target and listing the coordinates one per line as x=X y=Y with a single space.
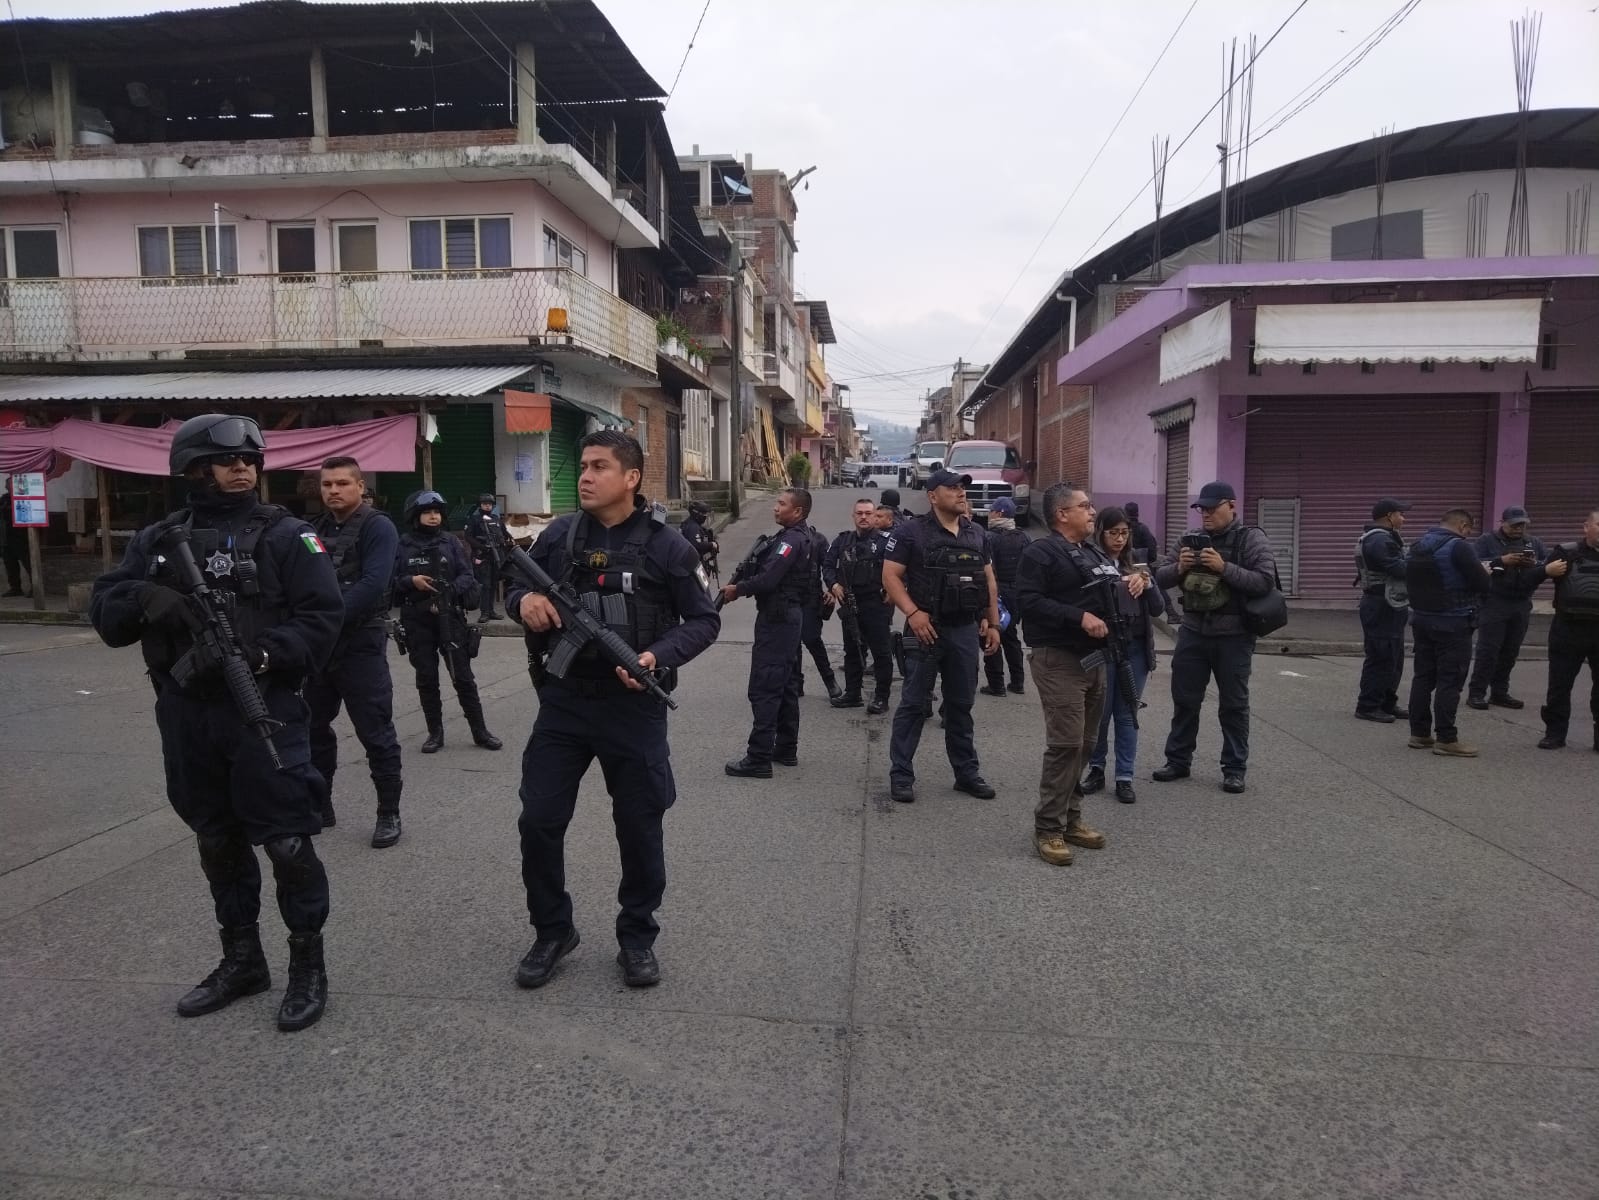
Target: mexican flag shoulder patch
x=313 y=543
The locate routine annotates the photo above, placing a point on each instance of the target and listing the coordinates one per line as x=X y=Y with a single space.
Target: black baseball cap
x=1387 y=505
x=1213 y=494
x=942 y=478
x=1515 y=515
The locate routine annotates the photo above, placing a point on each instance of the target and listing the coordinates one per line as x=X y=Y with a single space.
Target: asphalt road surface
x=1373 y=975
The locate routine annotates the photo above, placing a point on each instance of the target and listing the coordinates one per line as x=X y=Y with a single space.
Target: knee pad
x=293 y=857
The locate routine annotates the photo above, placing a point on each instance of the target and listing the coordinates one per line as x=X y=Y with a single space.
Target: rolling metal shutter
x=1562 y=464
x=1176 y=485
x=566 y=431
x=1336 y=455
x=463 y=463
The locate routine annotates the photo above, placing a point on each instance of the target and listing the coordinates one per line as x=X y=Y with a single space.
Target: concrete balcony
x=121 y=318
x=782 y=382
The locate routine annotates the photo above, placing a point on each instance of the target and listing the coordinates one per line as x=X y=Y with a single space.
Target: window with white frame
x=27 y=254
x=460 y=244
x=192 y=253
x=785 y=344
x=641 y=429
x=559 y=252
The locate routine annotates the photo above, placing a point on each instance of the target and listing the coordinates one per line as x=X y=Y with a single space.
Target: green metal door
x=463 y=463
x=566 y=431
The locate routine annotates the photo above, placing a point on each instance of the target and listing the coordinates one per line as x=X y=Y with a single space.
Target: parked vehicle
x=928 y=457
x=996 y=470
x=850 y=472
x=886 y=474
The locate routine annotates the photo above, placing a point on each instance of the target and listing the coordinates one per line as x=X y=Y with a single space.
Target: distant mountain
x=891 y=440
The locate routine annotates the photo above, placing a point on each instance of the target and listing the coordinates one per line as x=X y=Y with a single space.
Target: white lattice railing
x=119 y=317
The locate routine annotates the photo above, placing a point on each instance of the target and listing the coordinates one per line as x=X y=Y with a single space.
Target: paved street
x=1372 y=975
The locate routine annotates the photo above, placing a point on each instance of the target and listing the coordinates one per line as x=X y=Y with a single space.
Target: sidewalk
x=1337 y=632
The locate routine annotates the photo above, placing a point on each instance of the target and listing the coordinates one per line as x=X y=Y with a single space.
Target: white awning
x=333 y=384
x=1200 y=343
x=1443 y=331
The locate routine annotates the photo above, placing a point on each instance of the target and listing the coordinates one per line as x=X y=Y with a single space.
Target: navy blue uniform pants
x=626 y=732
x=954 y=658
x=1571 y=644
x=1443 y=653
x=876 y=622
x=488 y=580
x=358 y=679
x=221 y=782
x=1382 y=628
x=1499 y=638
x=1010 y=651
x=1197 y=659
x=811 y=639
x=428 y=649
x=774 y=683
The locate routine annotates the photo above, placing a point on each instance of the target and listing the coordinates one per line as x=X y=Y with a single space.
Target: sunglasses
x=229 y=460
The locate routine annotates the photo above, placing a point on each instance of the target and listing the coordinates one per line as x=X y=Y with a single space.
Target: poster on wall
x=29 y=504
x=524 y=468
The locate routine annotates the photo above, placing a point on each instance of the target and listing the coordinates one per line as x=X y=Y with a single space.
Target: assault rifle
x=849 y=612
x=217 y=641
x=1115 y=651
x=748 y=568
x=444 y=600
x=580 y=627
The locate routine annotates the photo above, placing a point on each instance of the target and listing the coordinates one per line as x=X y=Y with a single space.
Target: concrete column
x=65 y=103
x=1230 y=446
x=527 y=114
x=319 y=101
x=1507 y=480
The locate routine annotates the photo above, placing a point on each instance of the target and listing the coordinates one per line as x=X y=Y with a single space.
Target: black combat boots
x=387 y=830
x=307 y=993
x=435 y=741
x=482 y=737
x=242 y=972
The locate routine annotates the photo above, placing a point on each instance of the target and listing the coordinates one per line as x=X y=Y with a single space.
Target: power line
x=1084 y=176
x=1205 y=116
x=672 y=91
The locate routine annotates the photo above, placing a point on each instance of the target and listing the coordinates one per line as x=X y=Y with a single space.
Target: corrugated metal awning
x=258 y=385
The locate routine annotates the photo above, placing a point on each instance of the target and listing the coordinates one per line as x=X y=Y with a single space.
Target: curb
x=1292 y=647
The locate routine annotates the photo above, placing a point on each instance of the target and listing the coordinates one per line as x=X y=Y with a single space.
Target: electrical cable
x=672 y=91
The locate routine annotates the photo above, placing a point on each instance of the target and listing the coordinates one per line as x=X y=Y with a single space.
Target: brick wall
x=649 y=410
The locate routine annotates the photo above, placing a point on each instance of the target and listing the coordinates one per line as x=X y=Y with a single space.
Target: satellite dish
x=736 y=188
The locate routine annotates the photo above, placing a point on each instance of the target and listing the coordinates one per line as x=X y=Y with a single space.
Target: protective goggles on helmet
x=429 y=500
x=236 y=433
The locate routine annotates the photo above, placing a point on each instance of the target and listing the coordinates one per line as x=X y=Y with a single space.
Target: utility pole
x=735 y=370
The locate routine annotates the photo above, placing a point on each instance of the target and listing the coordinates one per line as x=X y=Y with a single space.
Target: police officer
x=696 y=527
x=432 y=580
x=485 y=533
x=890 y=500
x=272 y=574
x=361 y=543
x=1517 y=572
x=1235 y=562
x=816 y=607
x=1446 y=584
x=1065 y=585
x=937 y=573
x=782 y=578
x=854 y=563
x=1384 y=612
x=1005 y=546
x=1574 y=635
x=634 y=567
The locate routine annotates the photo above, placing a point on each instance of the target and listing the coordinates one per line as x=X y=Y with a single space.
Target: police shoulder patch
x=313 y=543
x=704 y=579
x=784 y=550
x=888 y=543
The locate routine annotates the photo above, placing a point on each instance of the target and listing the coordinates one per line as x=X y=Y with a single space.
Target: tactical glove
x=167 y=608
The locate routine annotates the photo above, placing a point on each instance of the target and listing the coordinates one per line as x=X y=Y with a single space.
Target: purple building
x=1352 y=343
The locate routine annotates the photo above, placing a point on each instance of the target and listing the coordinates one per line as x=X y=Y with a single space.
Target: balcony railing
x=112 y=318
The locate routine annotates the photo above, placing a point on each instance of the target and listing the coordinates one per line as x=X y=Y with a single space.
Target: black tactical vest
x=621 y=587
x=423 y=554
x=1577 y=595
x=951 y=584
x=862 y=560
x=1006 y=546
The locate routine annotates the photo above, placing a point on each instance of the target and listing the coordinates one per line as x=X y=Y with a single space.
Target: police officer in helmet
x=486 y=534
x=938 y=574
x=433 y=581
x=781 y=581
x=646 y=581
x=272 y=573
x=361 y=542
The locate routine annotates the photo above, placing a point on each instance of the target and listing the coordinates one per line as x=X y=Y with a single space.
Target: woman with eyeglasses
x=1113 y=530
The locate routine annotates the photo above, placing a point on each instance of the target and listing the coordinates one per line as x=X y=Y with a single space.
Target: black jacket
x=1054 y=589
x=369 y=593
x=439 y=546
x=1512 y=586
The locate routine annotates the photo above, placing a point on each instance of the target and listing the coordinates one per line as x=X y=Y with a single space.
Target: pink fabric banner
x=386 y=444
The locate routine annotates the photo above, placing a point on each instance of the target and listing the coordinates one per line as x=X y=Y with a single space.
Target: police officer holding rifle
x=233 y=603
x=642 y=584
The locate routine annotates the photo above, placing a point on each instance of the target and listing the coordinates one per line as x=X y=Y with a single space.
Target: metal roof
x=258 y=385
x=1556 y=137
x=581 y=57
x=821 y=320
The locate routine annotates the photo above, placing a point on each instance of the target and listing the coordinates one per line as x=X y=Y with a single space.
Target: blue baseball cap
x=1003 y=507
x=945 y=478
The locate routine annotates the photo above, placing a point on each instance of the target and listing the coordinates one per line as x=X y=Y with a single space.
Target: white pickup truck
x=927 y=457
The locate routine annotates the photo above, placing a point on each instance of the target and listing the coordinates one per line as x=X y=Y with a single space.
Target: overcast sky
x=946 y=136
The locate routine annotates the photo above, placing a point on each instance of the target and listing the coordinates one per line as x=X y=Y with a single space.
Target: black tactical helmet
x=419 y=502
x=215 y=433
x=486 y=498
x=698 y=509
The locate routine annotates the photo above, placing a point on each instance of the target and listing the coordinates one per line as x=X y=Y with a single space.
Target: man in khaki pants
x=1063 y=587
